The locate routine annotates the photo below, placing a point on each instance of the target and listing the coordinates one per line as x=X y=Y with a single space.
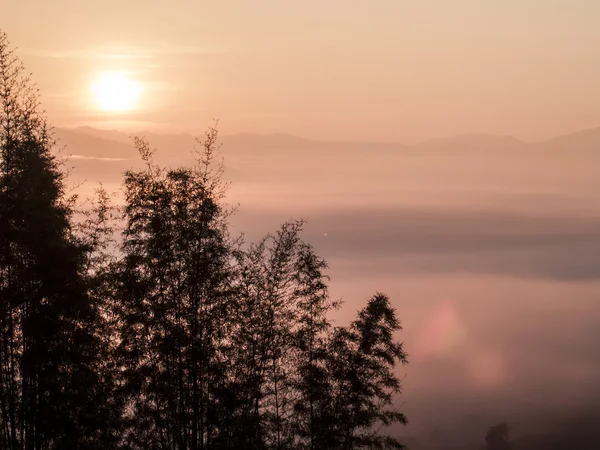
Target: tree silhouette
x=280 y=337
x=174 y=301
x=51 y=393
x=227 y=345
x=362 y=360
x=497 y=437
x=177 y=337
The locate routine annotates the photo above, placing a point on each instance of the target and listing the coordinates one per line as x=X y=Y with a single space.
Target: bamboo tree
x=362 y=359
x=174 y=299
x=49 y=345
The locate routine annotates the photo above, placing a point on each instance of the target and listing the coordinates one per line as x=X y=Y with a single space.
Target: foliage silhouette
x=175 y=335
x=497 y=437
x=52 y=384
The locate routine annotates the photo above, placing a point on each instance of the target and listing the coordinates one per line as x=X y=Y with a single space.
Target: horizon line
x=417 y=143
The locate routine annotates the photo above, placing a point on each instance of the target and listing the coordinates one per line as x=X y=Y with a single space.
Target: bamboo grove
x=174 y=335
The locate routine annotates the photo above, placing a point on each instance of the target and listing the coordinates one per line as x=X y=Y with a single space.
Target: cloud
x=98 y=158
x=405 y=241
x=120 y=52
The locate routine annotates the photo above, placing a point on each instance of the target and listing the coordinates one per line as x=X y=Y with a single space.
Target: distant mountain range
x=288 y=170
x=87 y=141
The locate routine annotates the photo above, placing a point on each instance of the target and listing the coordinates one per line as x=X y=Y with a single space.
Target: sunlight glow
x=115 y=92
x=441 y=333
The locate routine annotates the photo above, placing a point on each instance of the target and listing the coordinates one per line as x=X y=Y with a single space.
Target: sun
x=115 y=92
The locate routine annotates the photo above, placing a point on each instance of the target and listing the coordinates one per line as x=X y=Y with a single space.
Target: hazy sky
x=380 y=69
x=488 y=247
x=489 y=254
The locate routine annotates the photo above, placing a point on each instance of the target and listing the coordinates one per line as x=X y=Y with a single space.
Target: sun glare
x=114 y=91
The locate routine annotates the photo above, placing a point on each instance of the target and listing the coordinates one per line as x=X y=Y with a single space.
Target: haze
x=444 y=152
x=487 y=246
x=386 y=70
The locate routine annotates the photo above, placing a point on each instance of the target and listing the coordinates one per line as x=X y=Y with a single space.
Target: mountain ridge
x=593 y=132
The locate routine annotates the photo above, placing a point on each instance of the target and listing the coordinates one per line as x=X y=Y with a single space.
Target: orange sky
x=488 y=247
x=386 y=69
